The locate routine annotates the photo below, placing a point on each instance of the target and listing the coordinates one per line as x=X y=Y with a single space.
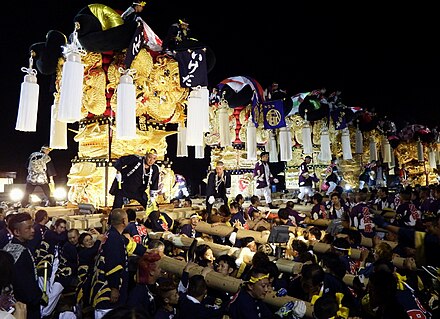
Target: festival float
x=112 y=79
x=128 y=94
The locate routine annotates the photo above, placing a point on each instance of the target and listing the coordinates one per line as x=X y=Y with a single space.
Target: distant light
x=347 y=187
x=35 y=198
x=16 y=194
x=60 y=193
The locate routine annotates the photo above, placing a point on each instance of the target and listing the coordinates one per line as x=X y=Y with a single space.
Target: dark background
x=381 y=58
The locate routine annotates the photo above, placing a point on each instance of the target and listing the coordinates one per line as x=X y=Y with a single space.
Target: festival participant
x=264 y=179
x=136 y=230
x=148 y=273
x=135 y=174
x=248 y=302
x=110 y=280
x=189 y=230
x=40 y=173
x=40 y=221
x=383 y=200
x=25 y=282
x=132 y=11
x=218 y=186
x=306 y=180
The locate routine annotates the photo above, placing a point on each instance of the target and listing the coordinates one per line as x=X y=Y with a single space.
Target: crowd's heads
x=219 y=167
x=258 y=283
x=264 y=156
x=225 y=264
x=45 y=149
x=85 y=240
x=150 y=156
x=148 y=268
x=204 y=255
x=167 y=293
x=197 y=287
x=118 y=216
x=21 y=225
x=131 y=214
x=41 y=216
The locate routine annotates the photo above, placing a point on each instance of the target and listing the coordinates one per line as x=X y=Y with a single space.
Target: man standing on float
x=134 y=175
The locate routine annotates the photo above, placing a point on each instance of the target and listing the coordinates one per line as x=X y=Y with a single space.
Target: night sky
x=380 y=58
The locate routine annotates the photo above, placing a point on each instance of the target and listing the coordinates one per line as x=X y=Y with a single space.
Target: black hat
x=264 y=153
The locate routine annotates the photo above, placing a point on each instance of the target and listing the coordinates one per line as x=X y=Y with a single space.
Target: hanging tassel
x=346 y=146
x=28 y=105
x=223 y=120
x=251 y=140
x=437 y=156
x=199 y=151
x=432 y=161
x=182 y=149
x=126 y=106
x=420 y=156
x=307 y=136
x=386 y=150
x=194 y=131
x=285 y=144
x=204 y=109
x=58 y=131
x=71 y=90
x=359 y=140
x=373 y=150
x=273 y=150
x=392 y=164
x=325 y=155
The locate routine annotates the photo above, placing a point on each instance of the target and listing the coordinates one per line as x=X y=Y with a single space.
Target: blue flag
x=273 y=112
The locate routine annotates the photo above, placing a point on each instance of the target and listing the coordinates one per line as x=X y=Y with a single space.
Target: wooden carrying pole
x=229 y=284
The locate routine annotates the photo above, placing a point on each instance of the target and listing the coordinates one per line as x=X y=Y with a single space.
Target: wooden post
x=229 y=284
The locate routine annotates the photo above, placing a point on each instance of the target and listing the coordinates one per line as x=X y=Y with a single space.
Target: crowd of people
x=70 y=273
x=380 y=258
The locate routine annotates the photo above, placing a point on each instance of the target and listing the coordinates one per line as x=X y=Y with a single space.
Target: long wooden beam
x=229 y=284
